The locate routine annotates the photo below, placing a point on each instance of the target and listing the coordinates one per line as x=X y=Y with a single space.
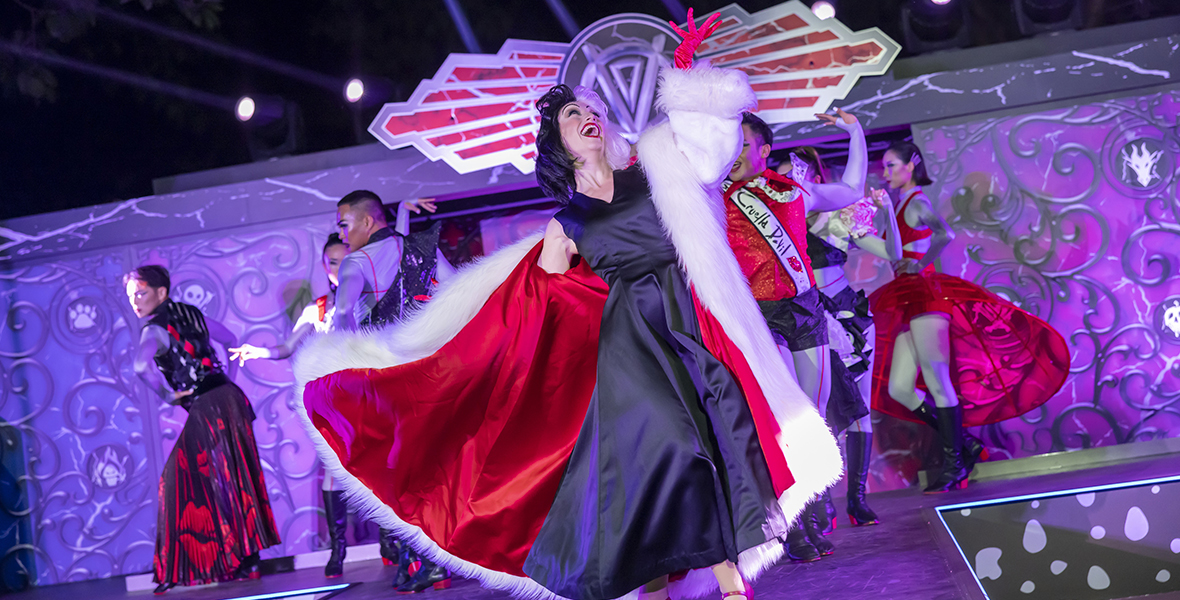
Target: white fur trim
x=693 y=214
x=722 y=92
x=452 y=307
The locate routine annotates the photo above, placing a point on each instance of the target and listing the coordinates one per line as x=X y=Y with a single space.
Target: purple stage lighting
x=244 y=109
x=354 y=90
x=823 y=9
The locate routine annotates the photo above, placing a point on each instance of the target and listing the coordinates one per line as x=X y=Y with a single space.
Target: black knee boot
x=975 y=451
x=799 y=549
x=858 y=447
x=955 y=467
x=811 y=518
x=407 y=564
x=337 y=513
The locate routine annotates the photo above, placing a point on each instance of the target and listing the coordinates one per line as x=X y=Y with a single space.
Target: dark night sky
x=100 y=141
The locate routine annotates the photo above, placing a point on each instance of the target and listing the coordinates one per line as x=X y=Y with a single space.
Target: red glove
x=692 y=38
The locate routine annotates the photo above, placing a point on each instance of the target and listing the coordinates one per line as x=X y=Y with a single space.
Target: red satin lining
x=470 y=444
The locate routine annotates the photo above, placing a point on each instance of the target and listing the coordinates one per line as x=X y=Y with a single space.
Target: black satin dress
x=667 y=473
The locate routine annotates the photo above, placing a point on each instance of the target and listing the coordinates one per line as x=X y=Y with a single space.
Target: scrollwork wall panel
x=1074 y=215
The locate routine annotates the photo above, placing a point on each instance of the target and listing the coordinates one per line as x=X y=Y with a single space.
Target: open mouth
x=591 y=130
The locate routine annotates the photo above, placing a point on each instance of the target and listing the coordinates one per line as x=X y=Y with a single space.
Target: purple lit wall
x=1073 y=213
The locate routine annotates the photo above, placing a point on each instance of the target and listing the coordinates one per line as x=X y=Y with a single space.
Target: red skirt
x=1004 y=361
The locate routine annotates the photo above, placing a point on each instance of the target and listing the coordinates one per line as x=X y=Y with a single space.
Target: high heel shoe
x=828 y=526
x=747 y=592
x=164 y=587
x=429 y=575
x=250 y=568
x=813 y=531
x=390 y=547
x=799 y=549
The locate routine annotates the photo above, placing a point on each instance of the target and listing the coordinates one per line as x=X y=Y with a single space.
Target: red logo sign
x=477 y=112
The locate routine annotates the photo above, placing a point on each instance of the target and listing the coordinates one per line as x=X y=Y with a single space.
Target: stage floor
x=908 y=556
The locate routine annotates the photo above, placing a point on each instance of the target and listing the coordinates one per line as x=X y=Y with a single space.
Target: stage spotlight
x=930 y=25
x=1043 y=16
x=823 y=9
x=259 y=110
x=245 y=109
x=273 y=126
x=354 y=90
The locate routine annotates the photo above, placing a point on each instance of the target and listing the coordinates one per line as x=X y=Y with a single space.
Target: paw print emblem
x=83 y=317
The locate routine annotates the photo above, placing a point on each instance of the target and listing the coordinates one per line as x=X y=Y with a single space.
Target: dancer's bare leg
x=932 y=342
x=812 y=368
x=729 y=579
x=903 y=372
x=865 y=385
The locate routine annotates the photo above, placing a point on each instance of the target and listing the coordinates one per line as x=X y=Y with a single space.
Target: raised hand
x=418 y=205
x=247 y=352
x=692 y=38
x=841 y=119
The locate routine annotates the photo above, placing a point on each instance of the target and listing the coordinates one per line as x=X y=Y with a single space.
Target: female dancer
x=828 y=240
x=317 y=318
x=1007 y=362
x=215 y=514
x=598 y=422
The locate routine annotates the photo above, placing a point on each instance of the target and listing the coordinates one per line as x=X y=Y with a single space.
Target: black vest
x=415 y=282
x=190 y=362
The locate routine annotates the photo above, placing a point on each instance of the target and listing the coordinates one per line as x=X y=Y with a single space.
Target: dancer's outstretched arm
x=704 y=107
x=824 y=197
x=247 y=352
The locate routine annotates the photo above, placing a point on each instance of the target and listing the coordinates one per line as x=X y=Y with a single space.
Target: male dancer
x=384 y=274
x=383 y=277
x=766 y=216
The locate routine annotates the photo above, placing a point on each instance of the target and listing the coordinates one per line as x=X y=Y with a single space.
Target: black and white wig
x=555 y=165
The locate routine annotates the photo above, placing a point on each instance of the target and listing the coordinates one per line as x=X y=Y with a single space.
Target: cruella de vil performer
x=585 y=415
x=980 y=358
x=766 y=216
x=215 y=514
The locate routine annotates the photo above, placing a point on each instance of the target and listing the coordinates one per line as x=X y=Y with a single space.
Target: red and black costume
x=796 y=317
x=214 y=508
x=584 y=433
x=1004 y=361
